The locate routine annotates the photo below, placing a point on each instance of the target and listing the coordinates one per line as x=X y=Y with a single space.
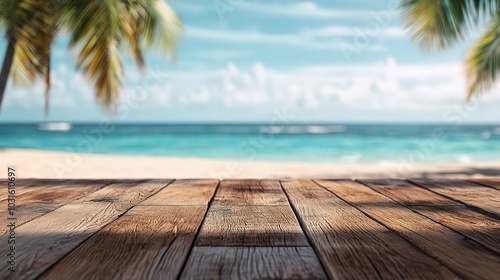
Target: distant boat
x=59 y=126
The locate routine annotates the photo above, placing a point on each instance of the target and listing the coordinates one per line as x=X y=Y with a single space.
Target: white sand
x=48 y=164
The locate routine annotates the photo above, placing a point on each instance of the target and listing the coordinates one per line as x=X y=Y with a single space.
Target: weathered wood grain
x=33 y=204
x=184 y=192
x=250 y=192
x=43 y=241
x=438 y=241
x=19 y=191
x=251 y=226
x=469 y=193
x=391 y=230
x=25 y=187
x=351 y=245
x=149 y=242
x=253 y=263
x=127 y=192
x=494 y=183
x=455 y=215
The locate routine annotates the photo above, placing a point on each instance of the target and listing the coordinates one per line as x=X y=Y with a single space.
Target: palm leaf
x=442 y=23
x=94 y=25
x=483 y=61
x=97 y=28
x=149 y=24
x=162 y=27
x=100 y=28
x=34 y=39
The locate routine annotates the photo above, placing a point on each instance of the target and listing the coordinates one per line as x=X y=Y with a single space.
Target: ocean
x=322 y=143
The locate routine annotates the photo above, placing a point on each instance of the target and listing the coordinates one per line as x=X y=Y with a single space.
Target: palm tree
x=98 y=30
x=440 y=24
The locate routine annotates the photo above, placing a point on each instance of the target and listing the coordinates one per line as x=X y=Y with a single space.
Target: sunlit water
x=420 y=144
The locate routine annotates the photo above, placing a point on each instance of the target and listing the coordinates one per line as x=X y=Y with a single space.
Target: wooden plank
x=43 y=241
x=19 y=191
x=493 y=183
x=149 y=242
x=351 y=245
x=184 y=192
x=127 y=192
x=34 y=204
x=33 y=182
x=22 y=188
x=259 y=225
x=250 y=192
x=469 y=193
x=462 y=255
x=455 y=215
x=253 y=263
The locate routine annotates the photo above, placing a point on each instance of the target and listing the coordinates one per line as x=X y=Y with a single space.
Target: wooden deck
x=251 y=229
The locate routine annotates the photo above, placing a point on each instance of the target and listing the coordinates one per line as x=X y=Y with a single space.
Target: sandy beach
x=49 y=164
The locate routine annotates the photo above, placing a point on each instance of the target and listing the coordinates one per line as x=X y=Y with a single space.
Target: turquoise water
x=339 y=143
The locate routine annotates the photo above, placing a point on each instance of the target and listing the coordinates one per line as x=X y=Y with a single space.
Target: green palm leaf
x=94 y=26
x=98 y=29
x=439 y=24
x=483 y=61
x=32 y=24
x=442 y=23
x=149 y=24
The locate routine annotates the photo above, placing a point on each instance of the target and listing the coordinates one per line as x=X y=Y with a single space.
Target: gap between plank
x=482 y=184
x=471 y=207
x=183 y=267
x=437 y=222
x=92 y=235
x=43 y=214
x=303 y=227
x=382 y=224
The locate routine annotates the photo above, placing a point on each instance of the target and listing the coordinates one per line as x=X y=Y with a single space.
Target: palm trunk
x=7 y=65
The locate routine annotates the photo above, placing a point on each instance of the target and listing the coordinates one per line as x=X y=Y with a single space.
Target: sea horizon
x=343 y=143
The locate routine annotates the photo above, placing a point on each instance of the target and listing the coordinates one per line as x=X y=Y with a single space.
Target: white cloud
x=306 y=38
x=350 y=31
x=68 y=89
x=380 y=85
x=222 y=54
x=306 y=9
x=384 y=85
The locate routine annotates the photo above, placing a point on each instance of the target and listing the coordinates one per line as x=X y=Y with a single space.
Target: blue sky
x=242 y=60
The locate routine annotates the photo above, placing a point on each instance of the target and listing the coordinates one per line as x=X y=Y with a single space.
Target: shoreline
x=62 y=165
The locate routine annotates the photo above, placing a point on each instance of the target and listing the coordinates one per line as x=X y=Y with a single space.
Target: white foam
x=303 y=129
x=464 y=159
x=61 y=126
x=316 y=129
x=354 y=158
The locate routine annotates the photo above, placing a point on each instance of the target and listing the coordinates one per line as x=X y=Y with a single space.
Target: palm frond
x=34 y=39
x=94 y=25
x=131 y=22
x=5 y=8
x=438 y=24
x=98 y=30
x=26 y=67
x=483 y=61
x=149 y=24
x=161 y=27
